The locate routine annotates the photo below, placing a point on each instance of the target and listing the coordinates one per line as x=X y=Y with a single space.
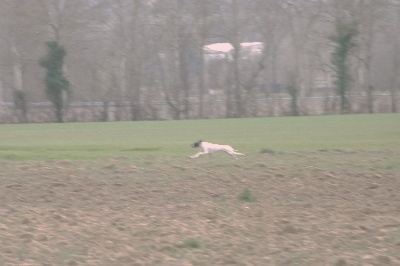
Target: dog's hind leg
x=233 y=153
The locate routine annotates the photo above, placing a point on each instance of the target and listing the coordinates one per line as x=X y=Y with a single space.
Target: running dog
x=208 y=148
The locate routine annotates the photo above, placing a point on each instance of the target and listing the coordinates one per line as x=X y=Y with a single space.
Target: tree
x=236 y=26
x=304 y=17
x=344 y=41
x=371 y=17
x=202 y=19
x=175 y=47
x=392 y=38
x=18 y=38
x=293 y=91
x=56 y=83
x=21 y=104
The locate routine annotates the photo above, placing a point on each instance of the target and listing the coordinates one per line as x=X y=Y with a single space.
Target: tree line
x=140 y=52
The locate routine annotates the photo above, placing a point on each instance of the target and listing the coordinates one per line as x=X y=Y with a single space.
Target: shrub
x=269 y=151
x=190 y=243
x=247 y=195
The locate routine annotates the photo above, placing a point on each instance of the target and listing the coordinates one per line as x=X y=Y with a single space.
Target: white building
x=224 y=50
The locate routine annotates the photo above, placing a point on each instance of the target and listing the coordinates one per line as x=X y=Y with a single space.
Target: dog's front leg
x=196 y=155
x=201 y=152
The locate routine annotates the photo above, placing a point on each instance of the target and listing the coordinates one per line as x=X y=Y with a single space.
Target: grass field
x=172 y=138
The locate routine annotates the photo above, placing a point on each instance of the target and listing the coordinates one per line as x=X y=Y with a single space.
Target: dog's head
x=196 y=144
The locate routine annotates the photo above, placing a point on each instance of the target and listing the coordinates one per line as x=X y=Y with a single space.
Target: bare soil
x=324 y=208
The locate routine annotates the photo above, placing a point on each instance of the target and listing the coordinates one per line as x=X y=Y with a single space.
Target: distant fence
x=160 y=110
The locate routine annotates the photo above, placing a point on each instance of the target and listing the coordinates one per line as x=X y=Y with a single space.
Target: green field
x=173 y=138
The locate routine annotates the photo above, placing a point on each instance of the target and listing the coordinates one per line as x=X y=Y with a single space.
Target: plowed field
x=314 y=208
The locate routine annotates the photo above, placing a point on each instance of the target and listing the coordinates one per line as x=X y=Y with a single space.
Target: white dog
x=208 y=148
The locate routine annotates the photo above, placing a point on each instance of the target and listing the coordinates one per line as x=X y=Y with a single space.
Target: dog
x=208 y=148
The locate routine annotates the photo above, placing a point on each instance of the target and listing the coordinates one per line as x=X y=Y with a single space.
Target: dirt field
x=323 y=208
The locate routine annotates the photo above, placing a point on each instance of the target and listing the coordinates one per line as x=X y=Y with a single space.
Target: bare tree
x=175 y=48
x=304 y=16
x=126 y=32
x=237 y=24
x=392 y=34
x=202 y=19
x=20 y=35
x=273 y=26
x=368 y=16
